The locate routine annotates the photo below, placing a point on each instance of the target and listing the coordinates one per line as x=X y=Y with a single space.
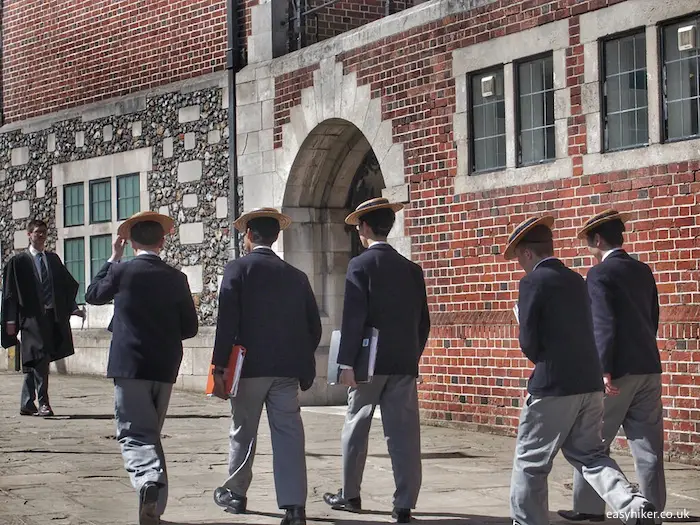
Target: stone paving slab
x=67 y=469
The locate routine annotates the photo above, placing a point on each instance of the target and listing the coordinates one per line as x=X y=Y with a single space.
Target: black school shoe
x=148 y=501
x=230 y=502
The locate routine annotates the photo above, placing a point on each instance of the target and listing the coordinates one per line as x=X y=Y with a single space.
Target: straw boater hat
x=371 y=205
x=602 y=218
x=241 y=224
x=166 y=222
x=521 y=230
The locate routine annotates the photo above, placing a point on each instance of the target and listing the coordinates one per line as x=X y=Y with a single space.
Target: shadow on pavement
x=424 y=455
x=111 y=416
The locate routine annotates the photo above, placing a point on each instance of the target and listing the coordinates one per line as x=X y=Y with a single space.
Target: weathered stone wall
x=186 y=130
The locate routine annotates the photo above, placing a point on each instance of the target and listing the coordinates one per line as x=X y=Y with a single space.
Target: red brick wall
x=473 y=371
x=345 y=16
x=61 y=53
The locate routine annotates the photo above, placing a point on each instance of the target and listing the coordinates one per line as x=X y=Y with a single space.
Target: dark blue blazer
x=153 y=313
x=385 y=290
x=556 y=332
x=267 y=305
x=625 y=305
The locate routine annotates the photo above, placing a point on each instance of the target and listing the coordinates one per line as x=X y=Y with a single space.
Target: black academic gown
x=41 y=336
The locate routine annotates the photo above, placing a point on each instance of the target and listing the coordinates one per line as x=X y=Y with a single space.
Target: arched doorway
x=333 y=172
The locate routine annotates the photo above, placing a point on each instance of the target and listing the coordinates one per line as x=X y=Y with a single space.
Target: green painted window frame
x=128 y=252
x=100 y=204
x=100 y=251
x=74 y=259
x=128 y=195
x=74 y=204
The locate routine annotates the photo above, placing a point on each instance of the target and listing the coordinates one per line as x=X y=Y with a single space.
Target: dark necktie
x=45 y=281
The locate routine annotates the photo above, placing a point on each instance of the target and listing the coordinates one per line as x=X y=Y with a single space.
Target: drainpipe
x=232 y=67
x=2 y=60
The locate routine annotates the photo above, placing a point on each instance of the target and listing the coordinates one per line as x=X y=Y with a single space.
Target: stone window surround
x=109 y=166
x=619 y=19
x=508 y=52
x=595 y=26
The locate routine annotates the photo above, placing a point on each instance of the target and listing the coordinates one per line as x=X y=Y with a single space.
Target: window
x=73 y=204
x=128 y=196
x=100 y=250
x=74 y=255
x=488 y=121
x=535 y=81
x=681 y=61
x=101 y=201
x=625 y=102
x=128 y=252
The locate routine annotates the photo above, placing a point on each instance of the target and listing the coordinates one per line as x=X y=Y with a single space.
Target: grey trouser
x=572 y=424
x=140 y=407
x=397 y=397
x=639 y=410
x=36 y=384
x=280 y=397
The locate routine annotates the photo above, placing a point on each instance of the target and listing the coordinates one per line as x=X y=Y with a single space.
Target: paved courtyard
x=68 y=470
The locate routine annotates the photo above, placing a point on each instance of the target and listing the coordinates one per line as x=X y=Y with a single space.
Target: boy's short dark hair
x=539 y=240
x=36 y=223
x=147 y=233
x=380 y=221
x=264 y=230
x=610 y=232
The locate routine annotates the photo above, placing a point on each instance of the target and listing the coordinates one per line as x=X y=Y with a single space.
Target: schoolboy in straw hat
x=564 y=409
x=153 y=313
x=625 y=306
x=267 y=306
x=386 y=291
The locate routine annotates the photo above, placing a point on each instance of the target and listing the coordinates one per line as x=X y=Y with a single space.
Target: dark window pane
x=671 y=42
x=128 y=252
x=73 y=205
x=525 y=112
x=536 y=110
x=551 y=143
x=614 y=131
x=488 y=123
x=640 y=52
x=100 y=250
x=549 y=108
x=479 y=155
x=612 y=62
x=100 y=201
x=682 y=85
x=625 y=91
x=627 y=54
x=74 y=256
x=128 y=199
x=549 y=74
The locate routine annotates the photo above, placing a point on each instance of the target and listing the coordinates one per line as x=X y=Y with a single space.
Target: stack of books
x=232 y=374
x=366 y=359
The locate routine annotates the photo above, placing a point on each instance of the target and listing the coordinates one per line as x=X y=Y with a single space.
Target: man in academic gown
x=38 y=297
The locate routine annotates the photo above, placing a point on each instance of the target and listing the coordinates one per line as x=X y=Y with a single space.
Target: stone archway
x=334 y=140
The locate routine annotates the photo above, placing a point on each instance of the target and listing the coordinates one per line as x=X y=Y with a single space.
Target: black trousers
x=36 y=384
x=36 y=374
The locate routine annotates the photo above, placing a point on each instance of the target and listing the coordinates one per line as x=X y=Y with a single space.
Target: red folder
x=232 y=374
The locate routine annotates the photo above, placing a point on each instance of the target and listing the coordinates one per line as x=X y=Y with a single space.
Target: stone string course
x=204 y=140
